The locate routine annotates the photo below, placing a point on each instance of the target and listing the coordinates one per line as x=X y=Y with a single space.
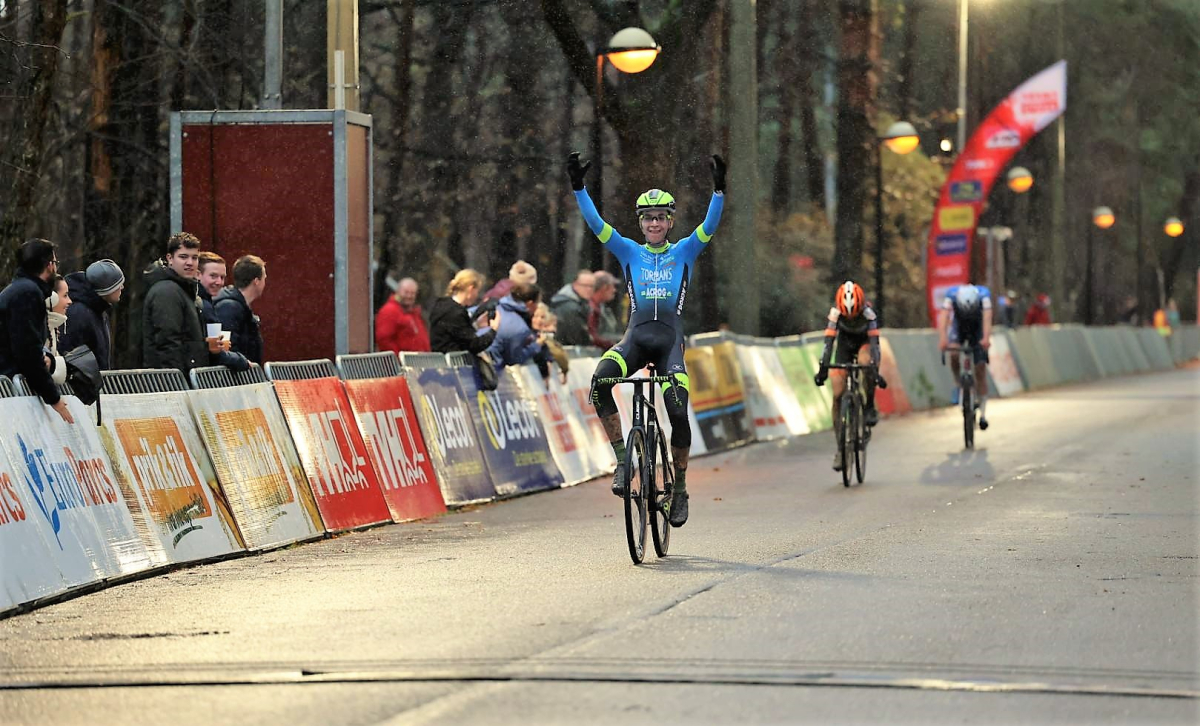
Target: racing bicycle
x=966 y=384
x=856 y=434
x=649 y=476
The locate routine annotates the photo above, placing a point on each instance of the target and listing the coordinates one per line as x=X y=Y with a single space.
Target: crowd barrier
x=242 y=462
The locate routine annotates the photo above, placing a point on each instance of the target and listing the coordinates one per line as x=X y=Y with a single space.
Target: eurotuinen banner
x=1026 y=111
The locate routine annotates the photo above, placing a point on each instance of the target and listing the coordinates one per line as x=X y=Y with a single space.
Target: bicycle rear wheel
x=635 y=496
x=860 y=449
x=968 y=411
x=846 y=440
x=662 y=481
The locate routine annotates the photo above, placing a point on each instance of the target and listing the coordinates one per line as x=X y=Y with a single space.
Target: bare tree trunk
x=389 y=253
x=808 y=53
x=49 y=18
x=912 y=18
x=1189 y=212
x=857 y=84
x=785 y=62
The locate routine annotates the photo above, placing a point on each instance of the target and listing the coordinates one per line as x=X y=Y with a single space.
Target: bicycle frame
x=649 y=504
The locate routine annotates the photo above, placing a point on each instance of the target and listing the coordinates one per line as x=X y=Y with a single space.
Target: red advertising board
x=1025 y=112
x=388 y=422
x=332 y=453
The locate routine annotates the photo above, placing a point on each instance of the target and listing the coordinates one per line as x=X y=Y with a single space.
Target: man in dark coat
x=233 y=306
x=23 y=329
x=93 y=293
x=172 y=334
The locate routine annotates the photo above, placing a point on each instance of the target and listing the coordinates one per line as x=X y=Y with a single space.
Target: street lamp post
x=901 y=138
x=1103 y=218
x=631 y=50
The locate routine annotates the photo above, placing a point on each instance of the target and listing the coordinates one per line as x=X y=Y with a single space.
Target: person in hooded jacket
x=172 y=332
x=515 y=341
x=450 y=328
x=24 y=308
x=94 y=292
x=233 y=306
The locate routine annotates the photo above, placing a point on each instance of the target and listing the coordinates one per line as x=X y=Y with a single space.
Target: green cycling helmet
x=656 y=199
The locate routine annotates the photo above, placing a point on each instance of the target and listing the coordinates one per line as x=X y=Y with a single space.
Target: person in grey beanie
x=94 y=292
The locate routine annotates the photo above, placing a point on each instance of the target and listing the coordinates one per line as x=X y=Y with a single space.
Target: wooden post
x=343 y=36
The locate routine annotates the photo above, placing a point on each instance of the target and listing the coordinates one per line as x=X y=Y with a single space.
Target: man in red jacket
x=399 y=324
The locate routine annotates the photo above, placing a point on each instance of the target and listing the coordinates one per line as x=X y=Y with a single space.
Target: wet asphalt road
x=1050 y=576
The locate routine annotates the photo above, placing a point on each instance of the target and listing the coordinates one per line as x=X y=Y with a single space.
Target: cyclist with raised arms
x=966 y=315
x=657 y=273
x=853 y=327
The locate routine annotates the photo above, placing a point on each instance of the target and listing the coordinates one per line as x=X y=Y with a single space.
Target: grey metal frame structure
x=301 y=370
x=339 y=119
x=144 y=380
x=222 y=377
x=359 y=366
x=424 y=360
x=20 y=387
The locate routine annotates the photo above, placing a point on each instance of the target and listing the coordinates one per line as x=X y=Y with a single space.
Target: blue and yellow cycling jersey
x=656 y=278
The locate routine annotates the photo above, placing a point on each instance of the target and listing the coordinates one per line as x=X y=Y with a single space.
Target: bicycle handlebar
x=879 y=379
x=635 y=379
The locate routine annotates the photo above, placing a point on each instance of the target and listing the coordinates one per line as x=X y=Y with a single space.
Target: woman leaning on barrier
x=450 y=327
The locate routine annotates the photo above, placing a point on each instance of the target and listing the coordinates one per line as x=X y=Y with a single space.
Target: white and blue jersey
x=966 y=324
x=656 y=278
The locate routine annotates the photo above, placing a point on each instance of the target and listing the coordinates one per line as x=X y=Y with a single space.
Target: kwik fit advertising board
x=446 y=424
x=257 y=464
x=166 y=476
x=511 y=436
x=332 y=452
x=69 y=492
x=384 y=407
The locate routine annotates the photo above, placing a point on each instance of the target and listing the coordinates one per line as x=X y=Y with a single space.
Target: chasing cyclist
x=966 y=316
x=657 y=273
x=853 y=327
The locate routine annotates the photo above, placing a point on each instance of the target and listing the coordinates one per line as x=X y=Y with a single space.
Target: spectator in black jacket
x=211 y=273
x=93 y=292
x=172 y=333
x=24 y=306
x=450 y=327
x=233 y=306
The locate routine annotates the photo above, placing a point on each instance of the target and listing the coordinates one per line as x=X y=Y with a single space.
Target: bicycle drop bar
x=879 y=379
x=635 y=379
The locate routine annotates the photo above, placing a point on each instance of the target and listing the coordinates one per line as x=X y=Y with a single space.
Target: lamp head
x=632 y=50
x=1019 y=179
x=1103 y=217
x=1173 y=227
x=901 y=137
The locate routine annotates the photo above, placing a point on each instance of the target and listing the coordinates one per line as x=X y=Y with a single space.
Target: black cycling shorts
x=656 y=343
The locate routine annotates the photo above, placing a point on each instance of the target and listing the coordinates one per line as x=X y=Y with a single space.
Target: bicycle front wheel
x=635 y=496
x=661 y=484
x=846 y=440
x=860 y=449
x=968 y=411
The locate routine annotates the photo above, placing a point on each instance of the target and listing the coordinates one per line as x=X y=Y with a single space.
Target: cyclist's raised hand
x=943 y=345
x=718 y=171
x=985 y=343
x=576 y=171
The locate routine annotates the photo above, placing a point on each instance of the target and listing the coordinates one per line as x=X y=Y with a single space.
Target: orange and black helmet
x=850 y=299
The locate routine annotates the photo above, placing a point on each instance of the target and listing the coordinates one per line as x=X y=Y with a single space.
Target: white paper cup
x=214 y=330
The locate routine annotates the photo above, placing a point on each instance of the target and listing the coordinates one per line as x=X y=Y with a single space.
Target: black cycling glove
x=718 y=172
x=822 y=374
x=576 y=171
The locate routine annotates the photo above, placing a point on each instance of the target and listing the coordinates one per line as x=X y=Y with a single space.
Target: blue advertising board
x=445 y=419
x=510 y=435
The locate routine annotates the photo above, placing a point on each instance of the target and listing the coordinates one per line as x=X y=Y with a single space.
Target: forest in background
x=476 y=104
